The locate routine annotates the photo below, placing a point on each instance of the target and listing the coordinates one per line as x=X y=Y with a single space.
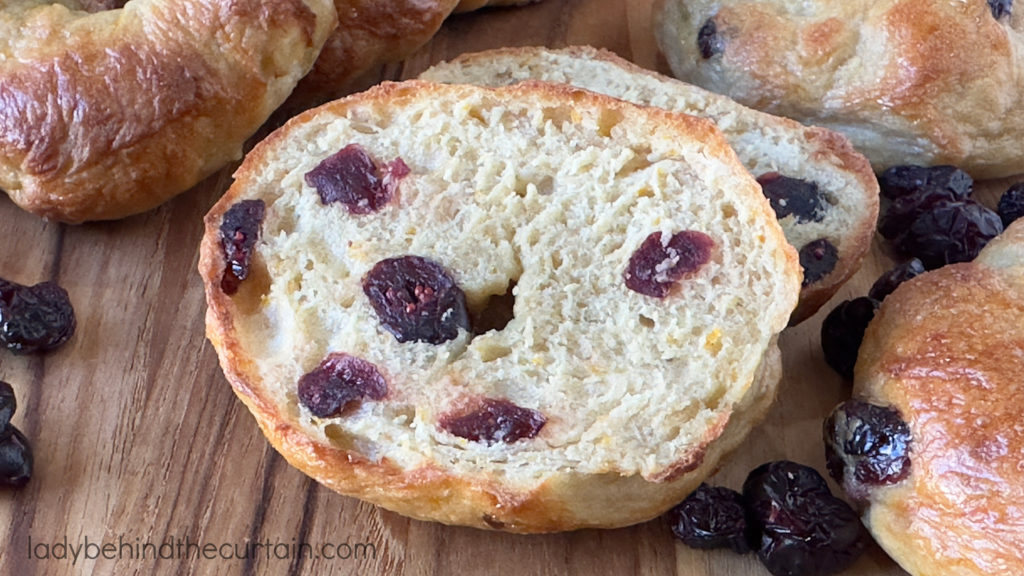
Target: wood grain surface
x=147 y=464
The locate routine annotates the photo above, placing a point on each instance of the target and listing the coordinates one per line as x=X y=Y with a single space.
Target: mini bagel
x=110 y=113
x=933 y=446
x=531 y=308
x=923 y=82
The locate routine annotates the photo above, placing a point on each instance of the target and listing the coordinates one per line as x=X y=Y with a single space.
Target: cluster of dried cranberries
x=786 y=514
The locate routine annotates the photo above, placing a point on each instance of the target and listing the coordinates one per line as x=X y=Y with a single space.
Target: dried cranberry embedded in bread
x=15 y=458
x=1011 y=204
x=338 y=381
x=818 y=259
x=708 y=40
x=711 y=517
x=843 y=331
x=793 y=196
x=1000 y=8
x=804 y=530
x=658 y=264
x=8 y=404
x=416 y=300
x=239 y=231
x=866 y=445
x=494 y=420
x=888 y=282
x=35 y=318
x=351 y=177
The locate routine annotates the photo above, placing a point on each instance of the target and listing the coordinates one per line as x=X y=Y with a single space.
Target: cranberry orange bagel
x=922 y=82
x=373 y=33
x=531 y=308
x=370 y=33
x=823 y=192
x=112 y=112
x=934 y=444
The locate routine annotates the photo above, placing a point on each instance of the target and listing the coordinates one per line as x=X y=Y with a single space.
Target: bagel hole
x=496 y=313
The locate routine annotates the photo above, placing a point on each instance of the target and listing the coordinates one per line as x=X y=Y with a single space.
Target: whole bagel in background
x=110 y=113
x=372 y=33
x=908 y=81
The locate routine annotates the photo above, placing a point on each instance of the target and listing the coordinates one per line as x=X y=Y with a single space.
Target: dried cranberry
x=801 y=198
x=903 y=181
x=804 y=529
x=866 y=445
x=660 y=262
x=1000 y=8
x=35 y=318
x=951 y=231
x=889 y=281
x=15 y=458
x=416 y=300
x=843 y=331
x=7 y=404
x=338 y=381
x=495 y=420
x=709 y=41
x=239 y=231
x=818 y=259
x=1011 y=204
x=900 y=214
x=711 y=517
x=351 y=177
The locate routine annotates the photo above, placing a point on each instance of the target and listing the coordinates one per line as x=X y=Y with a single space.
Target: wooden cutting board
x=147 y=464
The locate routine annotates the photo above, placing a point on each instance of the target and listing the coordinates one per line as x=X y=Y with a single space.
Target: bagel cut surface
x=840 y=180
x=555 y=310
x=107 y=113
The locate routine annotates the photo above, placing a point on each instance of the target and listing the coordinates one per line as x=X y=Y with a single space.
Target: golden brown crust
x=123 y=109
x=910 y=81
x=370 y=33
x=568 y=500
x=947 y=350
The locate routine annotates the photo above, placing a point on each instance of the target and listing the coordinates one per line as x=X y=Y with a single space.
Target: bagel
x=370 y=34
x=940 y=372
x=110 y=113
x=530 y=308
x=923 y=82
x=847 y=207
